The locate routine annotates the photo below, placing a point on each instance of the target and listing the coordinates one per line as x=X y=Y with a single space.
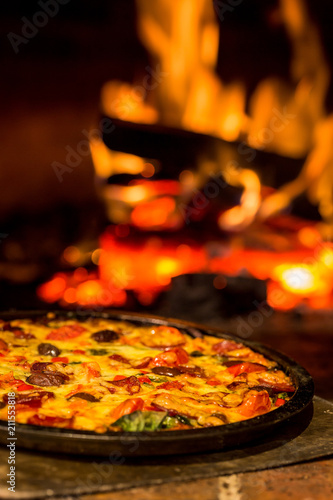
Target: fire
x=145 y=268
x=181 y=89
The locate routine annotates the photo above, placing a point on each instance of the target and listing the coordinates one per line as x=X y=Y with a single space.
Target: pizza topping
x=171 y=357
x=215 y=419
x=167 y=371
x=86 y=396
x=232 y=400
x=78 y=351
x=226 y=346
x=119 y=359
x=104 y=336
x=259 y=388
x=3 y=345
x=24 y=387
x=139 y=421
x=127 y=407
x=63 y=359
x=46 y=349
x=213 y=381
x=64 y=423
x=131 y=384
x=45 y=379
x=277 y=382
x=171 y=404
x=162 y=336
x=91 y=369
x=196 y=354
x=66 y=332
x=22 y=335
x=194 y=371
x=255 y=403
x=238 y=385
x=40 y=366
x=34 y=399
x=246 y=367
x=142 y=363
x=171 y=385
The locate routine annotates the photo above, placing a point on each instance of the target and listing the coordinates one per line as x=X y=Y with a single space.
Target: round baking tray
x=131 y=444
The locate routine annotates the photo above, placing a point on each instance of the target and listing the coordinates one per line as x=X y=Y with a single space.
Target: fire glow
x=184 y=92
x=146 y=269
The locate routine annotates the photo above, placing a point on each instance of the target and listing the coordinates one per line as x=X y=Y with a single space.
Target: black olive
x=46 y=379
x=39 y=366
x=194 y=371
x=166 y=370
x=105 y=336
x=48 y=350
x=85 y=396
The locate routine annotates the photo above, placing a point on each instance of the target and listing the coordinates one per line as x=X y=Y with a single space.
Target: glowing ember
x=303 y=276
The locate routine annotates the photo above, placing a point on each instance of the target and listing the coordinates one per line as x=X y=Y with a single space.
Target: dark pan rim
x=299 y=401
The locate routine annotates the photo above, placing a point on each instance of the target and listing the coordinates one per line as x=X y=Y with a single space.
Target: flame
x=127 y=102
x=243 y=214
x=181 y=89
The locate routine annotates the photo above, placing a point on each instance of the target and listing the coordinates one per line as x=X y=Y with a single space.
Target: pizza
x=99 y=374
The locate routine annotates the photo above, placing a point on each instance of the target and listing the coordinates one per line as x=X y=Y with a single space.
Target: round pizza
x=99 y=374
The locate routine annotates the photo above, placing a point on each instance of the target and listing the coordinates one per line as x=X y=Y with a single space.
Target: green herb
x=74 y=363
x=158 y=380
x=98 y=352
x=169 y=422
x=183 y=420
x=196 y=354
x=141 y=421
x=222 y=359
x=283 y=395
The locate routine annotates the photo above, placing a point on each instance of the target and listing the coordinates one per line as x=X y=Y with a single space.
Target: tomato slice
x=144 y=380
x=79 y=351
x=66 y=332
x=171 y=357
x=74 y=391
x=25 y=387
x=280 y=402
x=127 y=407
x=119 y=377
x=213 y=381
x=61 y=359
x=255 y=403
x=246 y=367
x=93 y=369
x=182 y=356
